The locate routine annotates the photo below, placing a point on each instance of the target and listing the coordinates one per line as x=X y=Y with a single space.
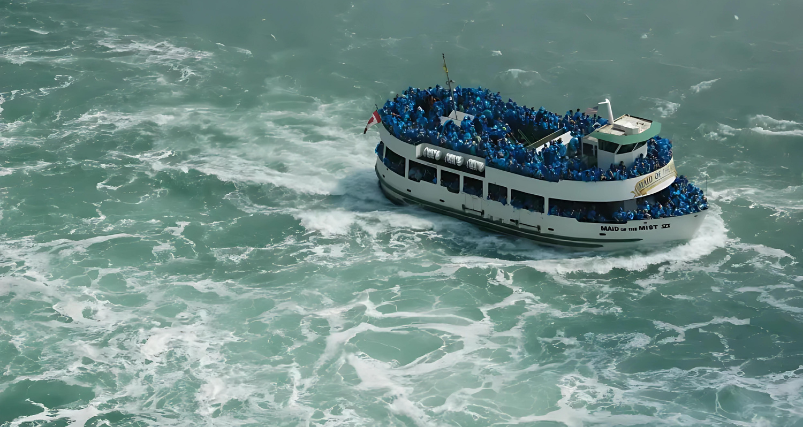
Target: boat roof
x=627 y=130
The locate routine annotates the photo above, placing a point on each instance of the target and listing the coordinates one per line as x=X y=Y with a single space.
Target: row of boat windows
x=681 y=198
x=420 y=172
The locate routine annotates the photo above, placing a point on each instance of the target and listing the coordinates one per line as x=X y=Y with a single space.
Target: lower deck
x=535 y=223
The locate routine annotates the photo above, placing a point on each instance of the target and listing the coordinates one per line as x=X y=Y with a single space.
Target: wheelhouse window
x=419 y=172
x=497 y=193
x=472 y=186
x=627 y=148
x=451 y=181
x=522 y=200
x=608 y=146
x=394 y=162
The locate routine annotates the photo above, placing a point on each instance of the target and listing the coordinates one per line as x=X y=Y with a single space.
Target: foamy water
x=193 y=232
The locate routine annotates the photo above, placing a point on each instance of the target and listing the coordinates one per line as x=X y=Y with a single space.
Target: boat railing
x=544 y=140
x=482 y=157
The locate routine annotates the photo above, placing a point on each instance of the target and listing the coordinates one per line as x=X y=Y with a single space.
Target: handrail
x=545 y=139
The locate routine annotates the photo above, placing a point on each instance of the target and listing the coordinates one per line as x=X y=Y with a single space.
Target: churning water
x=192 y=232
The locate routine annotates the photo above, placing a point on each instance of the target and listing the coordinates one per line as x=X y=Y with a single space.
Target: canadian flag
x=372 y=121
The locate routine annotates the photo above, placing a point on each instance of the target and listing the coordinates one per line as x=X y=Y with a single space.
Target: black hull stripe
x=503 y=228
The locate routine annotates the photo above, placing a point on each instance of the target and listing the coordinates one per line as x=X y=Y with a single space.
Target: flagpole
x=449 y=83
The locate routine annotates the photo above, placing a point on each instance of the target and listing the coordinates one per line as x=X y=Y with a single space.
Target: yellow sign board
x=652 y=180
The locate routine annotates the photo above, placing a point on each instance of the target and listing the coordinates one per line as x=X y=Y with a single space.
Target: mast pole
x=449 y=84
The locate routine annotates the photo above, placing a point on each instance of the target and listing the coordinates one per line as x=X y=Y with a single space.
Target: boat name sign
x=636 y=228
x=652 y=180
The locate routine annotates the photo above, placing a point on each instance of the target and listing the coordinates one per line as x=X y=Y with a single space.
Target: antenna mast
x=449 y=84
x=610 y=110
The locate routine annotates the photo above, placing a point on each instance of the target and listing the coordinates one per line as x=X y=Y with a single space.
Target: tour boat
x=467 y=168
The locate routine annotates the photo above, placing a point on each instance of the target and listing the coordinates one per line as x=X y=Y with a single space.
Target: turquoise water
x=192 y=232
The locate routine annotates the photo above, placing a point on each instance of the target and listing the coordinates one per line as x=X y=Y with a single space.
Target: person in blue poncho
x=618 y=216
x=661 y=211
x=561 y=148
x=592 y=214
x=574 y=146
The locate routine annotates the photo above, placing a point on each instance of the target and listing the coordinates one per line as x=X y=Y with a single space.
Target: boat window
x=380 y=150
x=451 y=181
x=588 y=149
x=608 y=146
x=627 y=148
x=497 y=193
x=639 y=145
x=584 y=211
x=394 y=162
x=522 y=200
x=472 y=186
x=419 y=172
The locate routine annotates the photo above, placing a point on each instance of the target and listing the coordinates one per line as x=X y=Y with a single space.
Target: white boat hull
x=540 y=227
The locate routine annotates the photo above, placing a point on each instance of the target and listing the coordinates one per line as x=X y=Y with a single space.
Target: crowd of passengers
x=557 y=161
x=414 y=116
x=680 y=198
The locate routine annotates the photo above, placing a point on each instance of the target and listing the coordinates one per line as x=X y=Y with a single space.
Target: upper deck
x=524 y=141
x=627 y=130
x=597 y=191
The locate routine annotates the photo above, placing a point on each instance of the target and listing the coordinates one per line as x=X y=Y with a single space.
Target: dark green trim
x=653 y=130
x=580 y=242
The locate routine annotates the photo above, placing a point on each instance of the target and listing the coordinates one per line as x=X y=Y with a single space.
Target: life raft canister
x=454 y=160
x=475 y=165
x=432 y=153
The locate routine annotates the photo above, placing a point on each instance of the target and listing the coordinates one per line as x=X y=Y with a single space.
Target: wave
x=154 y=52
x=340 y=222
x=665 y=108
x=711 y=236
x=782 y=201
x=795 y=132
x=720 y=133
x=699 y=87
x=92 y=119
x=20 y=55
x=309 y=152
x=767 y=125
x=524 y=77
x=178 y=58
x=17 y=55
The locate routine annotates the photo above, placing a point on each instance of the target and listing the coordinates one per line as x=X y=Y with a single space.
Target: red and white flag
x=372 y=121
